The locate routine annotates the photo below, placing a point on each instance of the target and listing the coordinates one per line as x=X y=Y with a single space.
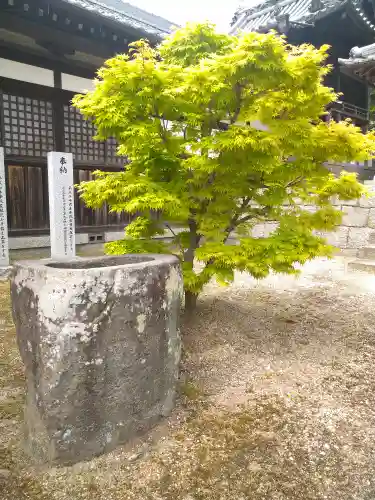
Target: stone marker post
x=4 y=246
x=61 y=205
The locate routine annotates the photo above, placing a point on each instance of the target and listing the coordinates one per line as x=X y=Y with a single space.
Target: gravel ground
x=277 y=402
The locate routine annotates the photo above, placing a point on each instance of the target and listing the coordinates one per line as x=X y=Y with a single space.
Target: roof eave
x=306 y=20
x=121 y=20
x=359 y=15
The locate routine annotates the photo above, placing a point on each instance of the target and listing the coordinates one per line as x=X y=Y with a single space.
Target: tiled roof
x=363 y=52
x=360 y=58
x=265 y=14
x=126 y=14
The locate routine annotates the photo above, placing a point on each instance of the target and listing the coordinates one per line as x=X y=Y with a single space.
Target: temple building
x=342 y=24
x=361 y=63
x=50 y=50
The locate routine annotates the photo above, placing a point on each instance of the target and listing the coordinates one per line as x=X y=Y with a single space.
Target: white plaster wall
x=76 y=83
x=26 y=72
x=114 y=235
x=40 y=241
x=42 y=76
x=119 y=235
x=21 y=242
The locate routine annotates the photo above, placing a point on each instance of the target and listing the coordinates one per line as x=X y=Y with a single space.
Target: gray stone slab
x=258 y=231
x=371 y=238
x=349 y=203
x=371 y=218
x=359 y=237
x=269 y=228
x=338 y=238
x=355 y=216
x=367 y=266
x=368 y=201
x=367 y=252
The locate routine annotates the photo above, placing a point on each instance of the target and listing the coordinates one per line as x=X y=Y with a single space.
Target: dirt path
x=278 y=402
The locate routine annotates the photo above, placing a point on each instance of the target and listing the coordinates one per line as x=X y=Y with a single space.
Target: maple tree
x=222 y=132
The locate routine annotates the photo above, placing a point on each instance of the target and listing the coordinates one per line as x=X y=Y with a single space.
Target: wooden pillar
x=58 y=114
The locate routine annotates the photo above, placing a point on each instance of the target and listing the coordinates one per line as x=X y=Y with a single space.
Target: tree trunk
x=190 y=297
x=190 y=302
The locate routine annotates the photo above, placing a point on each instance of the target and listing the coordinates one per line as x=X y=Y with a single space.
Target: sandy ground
x=277 y=401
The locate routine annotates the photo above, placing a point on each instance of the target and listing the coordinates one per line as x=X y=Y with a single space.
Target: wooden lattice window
x=78 y=136
x=27 y=126
x=111 y=153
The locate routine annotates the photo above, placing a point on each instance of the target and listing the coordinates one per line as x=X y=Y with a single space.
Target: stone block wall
x=356 y=231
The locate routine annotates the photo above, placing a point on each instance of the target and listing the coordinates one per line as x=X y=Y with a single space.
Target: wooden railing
x=345 y=109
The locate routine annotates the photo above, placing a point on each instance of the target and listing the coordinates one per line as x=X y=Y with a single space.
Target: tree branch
x=234 y=221
x=294 y=182
x=194 y=242
x=176 y=236
x=161 y=120
x=256 y=212
x=237 y=220
x=244 y=219
x=171 y=230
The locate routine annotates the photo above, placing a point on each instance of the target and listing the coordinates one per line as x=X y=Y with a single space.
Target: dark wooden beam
x=58 y=113
x=31 y=161
x=48 y=61
x=32 y=90
x=57 y=79
x=347 y=72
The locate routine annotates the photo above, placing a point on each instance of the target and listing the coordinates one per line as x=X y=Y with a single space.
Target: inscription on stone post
x=4 y=248
x=61 y=205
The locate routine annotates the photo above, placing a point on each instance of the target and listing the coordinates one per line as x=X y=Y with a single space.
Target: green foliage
x=201 y=42
x=167 y=106
x=129 y=245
